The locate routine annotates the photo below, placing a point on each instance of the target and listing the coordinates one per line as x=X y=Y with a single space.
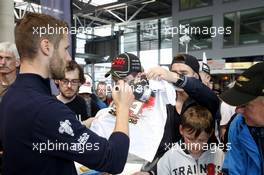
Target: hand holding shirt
x=146 y=134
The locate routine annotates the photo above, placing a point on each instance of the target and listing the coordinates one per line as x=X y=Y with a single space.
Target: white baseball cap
x=87 y=86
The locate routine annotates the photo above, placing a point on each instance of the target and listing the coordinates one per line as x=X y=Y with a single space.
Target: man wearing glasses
x=69 y=87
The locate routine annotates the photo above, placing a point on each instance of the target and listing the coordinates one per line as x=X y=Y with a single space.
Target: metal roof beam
x=115 y=15
x=94 y=18
x=139 y=10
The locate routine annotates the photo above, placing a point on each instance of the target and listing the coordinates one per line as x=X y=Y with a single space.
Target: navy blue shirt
x=78 y=106
x=41 y=135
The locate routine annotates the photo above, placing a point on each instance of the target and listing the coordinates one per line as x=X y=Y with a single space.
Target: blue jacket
x=41 y=135
x=243 y=158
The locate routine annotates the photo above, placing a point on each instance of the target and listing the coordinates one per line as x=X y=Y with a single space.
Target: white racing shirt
x=146 y=134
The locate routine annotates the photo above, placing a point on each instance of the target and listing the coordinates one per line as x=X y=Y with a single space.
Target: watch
x=180 y=81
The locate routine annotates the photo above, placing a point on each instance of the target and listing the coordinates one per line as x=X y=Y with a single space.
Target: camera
x=141 y=89
x=144 y=97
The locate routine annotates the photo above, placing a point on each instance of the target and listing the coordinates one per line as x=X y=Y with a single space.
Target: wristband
x=180 y=81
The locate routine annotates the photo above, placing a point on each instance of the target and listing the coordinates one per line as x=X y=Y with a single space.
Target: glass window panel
x=190 y=4
x=105 y=30
x=229 y=21
x=130 y=38
x=80 y=42
x=100 y=70
x=149 y=58
x=149 y=45
x=130 y=42
x=149 y=35
x=166 y=37
x=229 y=0
x=251 y=26
x=199 y=32
x=166 y=56
x=130 y=28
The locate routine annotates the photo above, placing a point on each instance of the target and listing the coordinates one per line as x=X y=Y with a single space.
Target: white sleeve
x=166 y=89
x=163 y=166
x=226 y=113
x=104 y=123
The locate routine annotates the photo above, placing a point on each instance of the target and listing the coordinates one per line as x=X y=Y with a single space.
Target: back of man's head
x=197 y=119
x=33 y=28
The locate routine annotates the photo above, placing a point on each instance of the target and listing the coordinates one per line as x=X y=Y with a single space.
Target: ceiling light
x=102 y=2
x=18 y=1
x=99 y=2
x=148 y=2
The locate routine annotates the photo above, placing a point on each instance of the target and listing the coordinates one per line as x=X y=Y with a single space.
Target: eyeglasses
x=74 y=82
